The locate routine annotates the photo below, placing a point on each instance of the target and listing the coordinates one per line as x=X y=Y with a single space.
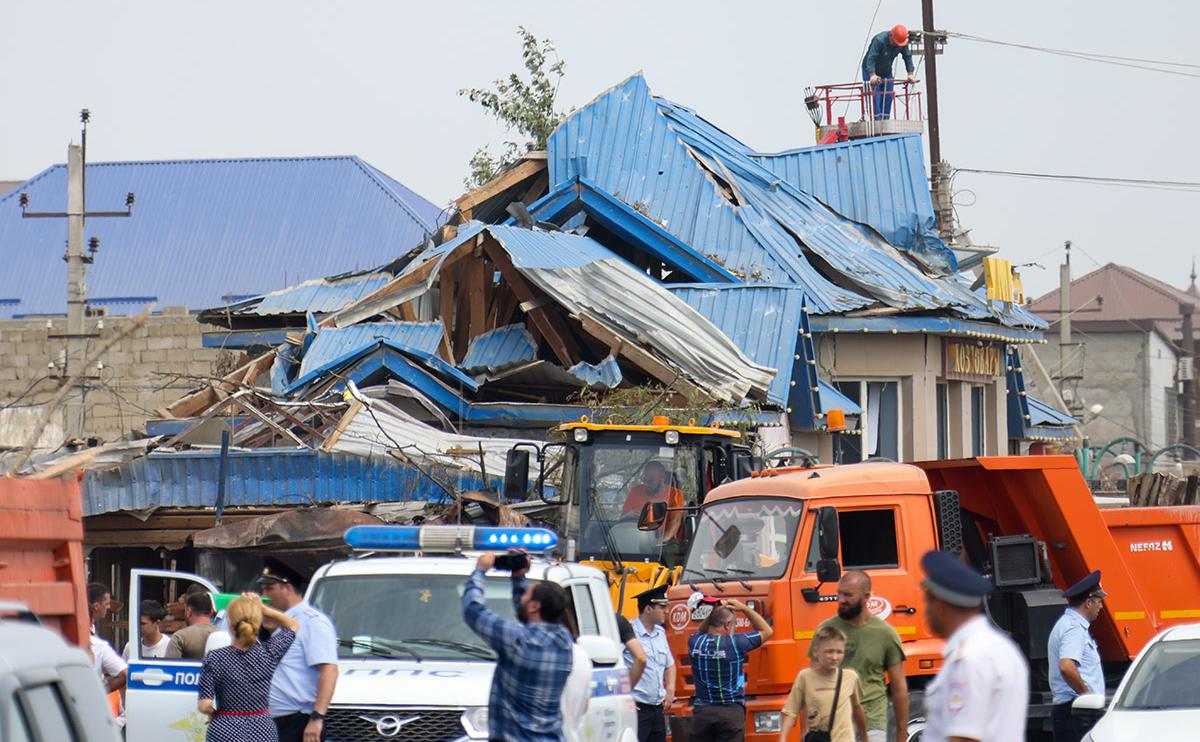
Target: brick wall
x=151 y=367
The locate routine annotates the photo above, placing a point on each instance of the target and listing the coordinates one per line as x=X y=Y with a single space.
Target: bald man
x=872 y=649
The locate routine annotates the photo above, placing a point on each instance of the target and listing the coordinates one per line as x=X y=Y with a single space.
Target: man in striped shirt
x=717 y=653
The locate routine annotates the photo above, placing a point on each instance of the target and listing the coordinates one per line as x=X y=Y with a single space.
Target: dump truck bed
x=41 y=552
x=1149 y=556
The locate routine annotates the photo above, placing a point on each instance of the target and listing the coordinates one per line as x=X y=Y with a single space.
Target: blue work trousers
x=881 y=96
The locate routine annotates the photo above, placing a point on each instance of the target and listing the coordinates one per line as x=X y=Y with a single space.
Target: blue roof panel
x=499 y=348
x=204 y=230
x=332 y=343
x=320 y=296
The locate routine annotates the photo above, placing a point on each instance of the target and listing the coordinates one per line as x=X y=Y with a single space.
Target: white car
x=1159 y=697
x=409 y=667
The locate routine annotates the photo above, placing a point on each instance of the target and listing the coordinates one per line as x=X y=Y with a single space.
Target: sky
x=174 y=80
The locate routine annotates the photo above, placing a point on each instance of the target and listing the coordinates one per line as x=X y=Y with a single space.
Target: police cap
x=1087 y=587
x=275 y=571
x=947 y=577
x=653 y=596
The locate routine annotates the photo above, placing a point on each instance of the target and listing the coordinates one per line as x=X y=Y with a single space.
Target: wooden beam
x=344 y=423
x=447 y=303
x=637 y=355
x=196 y=402
x=538 y=188
x=475 y=296
x=502 y=182
x=549 y=323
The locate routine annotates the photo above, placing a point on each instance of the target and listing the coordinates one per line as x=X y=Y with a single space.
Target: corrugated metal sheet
x=266 y=477
x=332 y=343
x=499 y=348
x=878 y=181
x=1041 y=414
x=205 y=230
x=763 y=321
x=320 y=295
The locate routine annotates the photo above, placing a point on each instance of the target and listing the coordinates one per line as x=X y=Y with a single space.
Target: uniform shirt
x=881 y=55
x=650 y=689
x=982 y=690
x=532 y=665
x=717 y=666
x=149 y=651
x=870 y=650
x=814 y=692
x=576 y=693
x=105 y=660
x=294 y=687
x=1070 y=640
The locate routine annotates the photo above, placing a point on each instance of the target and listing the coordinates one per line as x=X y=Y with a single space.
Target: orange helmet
x=900 y=34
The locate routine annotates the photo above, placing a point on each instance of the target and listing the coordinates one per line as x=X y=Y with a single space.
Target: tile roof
x=1121 y=298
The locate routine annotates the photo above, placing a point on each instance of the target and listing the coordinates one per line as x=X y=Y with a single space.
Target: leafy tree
x=526 y=105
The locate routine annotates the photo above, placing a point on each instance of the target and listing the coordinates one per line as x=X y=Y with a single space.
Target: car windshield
x=406 y=616
x=620 y=479
x=766 y=530
x=1165 y=678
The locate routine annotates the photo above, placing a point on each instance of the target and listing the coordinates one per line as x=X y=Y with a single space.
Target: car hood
x=409 y=683
x=1121 y=725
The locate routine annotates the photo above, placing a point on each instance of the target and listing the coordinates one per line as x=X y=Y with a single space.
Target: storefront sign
x=970 y=361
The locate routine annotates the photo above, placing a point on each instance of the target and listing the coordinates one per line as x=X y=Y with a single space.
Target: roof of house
x=208 y=232
x=1117 y=297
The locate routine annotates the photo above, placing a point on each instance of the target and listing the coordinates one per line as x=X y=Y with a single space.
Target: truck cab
x=606 y=472
x=409 y=667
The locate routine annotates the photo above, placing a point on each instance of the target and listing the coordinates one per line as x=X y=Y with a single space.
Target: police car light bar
x=449 y=539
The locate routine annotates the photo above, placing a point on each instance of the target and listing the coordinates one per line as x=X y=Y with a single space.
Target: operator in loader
x=656 y=487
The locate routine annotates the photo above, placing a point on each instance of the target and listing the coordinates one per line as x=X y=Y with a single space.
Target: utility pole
x=1187 y=375
x=939 y=172
x=77 y=336
x=1070 y=353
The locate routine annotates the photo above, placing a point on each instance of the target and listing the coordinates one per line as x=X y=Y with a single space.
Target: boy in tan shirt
x=811 y=699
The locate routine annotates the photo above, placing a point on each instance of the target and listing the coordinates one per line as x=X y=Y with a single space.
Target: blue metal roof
x=1030 y=418
x=321 y=296
x=878 y=181
x=332 y=343
x=499 y=348
x=206 y=230
x=1041 y=414
x=264 y=477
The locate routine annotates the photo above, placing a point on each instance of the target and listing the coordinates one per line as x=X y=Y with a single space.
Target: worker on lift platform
x=877 y=68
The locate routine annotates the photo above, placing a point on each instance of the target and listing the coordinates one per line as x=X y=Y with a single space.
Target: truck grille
x=426 y=725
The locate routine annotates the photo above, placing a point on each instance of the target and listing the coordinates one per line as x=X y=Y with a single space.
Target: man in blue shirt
x=877 y=68
x=655 y=690
x=302 y=686
x=533 y=655
x=717 y=653
x=1074 y=660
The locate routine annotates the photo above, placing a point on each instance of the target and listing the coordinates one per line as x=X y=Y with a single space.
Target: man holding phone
x=533 y=654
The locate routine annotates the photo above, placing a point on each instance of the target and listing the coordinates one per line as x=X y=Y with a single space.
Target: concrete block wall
x=152 y=366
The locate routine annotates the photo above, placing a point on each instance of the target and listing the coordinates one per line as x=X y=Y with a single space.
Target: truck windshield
x=406 y=616
x=767 y=529
x=617 y=481
x=1165 y=678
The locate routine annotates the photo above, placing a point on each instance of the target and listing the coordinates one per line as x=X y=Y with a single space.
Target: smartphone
x=512 y=562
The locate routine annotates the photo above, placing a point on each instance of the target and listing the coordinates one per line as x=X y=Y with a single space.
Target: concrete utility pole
x=1187 y=375
x=77 y=335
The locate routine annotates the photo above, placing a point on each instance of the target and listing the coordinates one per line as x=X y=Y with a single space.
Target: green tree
x=522 y=104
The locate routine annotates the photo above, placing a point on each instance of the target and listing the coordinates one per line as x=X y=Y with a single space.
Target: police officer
x=303 y=684
x=655 y=690
x=982 y=690
x=1074 y=661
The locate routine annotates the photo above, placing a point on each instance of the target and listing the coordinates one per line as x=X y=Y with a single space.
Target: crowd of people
x=269 y=667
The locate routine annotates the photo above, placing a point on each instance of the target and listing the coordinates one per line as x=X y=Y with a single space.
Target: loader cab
x=598 y=478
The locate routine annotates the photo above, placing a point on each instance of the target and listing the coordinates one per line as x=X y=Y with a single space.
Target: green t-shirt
x=870 y=650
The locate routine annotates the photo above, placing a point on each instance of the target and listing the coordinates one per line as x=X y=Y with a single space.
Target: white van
x=410 y=668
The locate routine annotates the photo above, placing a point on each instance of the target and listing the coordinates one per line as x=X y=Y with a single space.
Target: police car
x=409 y=666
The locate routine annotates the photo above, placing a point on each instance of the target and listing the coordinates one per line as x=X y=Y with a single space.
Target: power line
x=1113 y=59
x=1158 y=185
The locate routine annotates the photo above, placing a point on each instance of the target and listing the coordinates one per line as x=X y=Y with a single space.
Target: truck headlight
x=768 y=722
x=475 y=721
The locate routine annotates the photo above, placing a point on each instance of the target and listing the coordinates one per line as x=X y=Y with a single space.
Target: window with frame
x=879 y=426
x=943 y=420
x=585 y=610
x=49 y=713
x=978 y=422
x=868 y=539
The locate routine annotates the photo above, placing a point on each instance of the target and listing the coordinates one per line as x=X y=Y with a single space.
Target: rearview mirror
x=600 y=649
x=653 y=516
x=827 y=532
x=516 y=475
x=728 y=542
x=1088 y=708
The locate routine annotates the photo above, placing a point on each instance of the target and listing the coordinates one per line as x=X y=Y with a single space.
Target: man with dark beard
x=534 y=655
x=872 y=648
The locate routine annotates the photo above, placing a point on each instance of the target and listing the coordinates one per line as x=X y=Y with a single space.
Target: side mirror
x=743 y=464
x=516 y=475
x=828 y=570
x=652 y=517
x=1088 y=708
x=827 y=532
x=600 y=649
x=728 y=542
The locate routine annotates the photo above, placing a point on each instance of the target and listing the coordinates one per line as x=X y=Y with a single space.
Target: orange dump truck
x=41 y=553
x=1029 y=523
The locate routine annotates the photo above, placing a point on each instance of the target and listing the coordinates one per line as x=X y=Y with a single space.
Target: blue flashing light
x=448 y=539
